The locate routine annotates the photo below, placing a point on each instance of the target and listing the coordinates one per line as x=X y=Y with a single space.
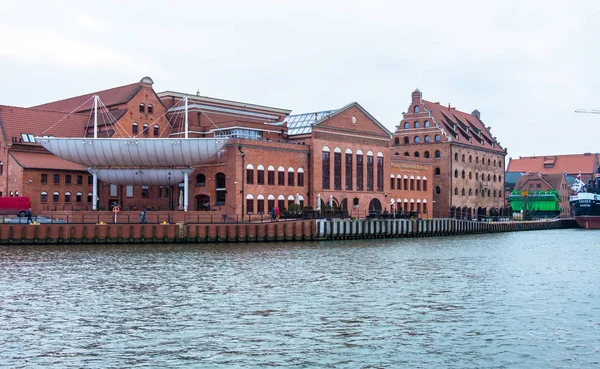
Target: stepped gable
x=15 y=121
x=467 y=127
x=112 y=96
x=41 y=160
x=555 y=164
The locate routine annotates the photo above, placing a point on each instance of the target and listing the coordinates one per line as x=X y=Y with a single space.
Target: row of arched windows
x=145 y=129
x=417 y=139
x=484 y=192
x=67 y=197
x=408 y=183
x=417 y=154
x=417 y=124
x=143 y=108
x=399 y=205
x=354 y=165
x=483 y=177
x=497 y=163
x=289 y=177
x=257 y=205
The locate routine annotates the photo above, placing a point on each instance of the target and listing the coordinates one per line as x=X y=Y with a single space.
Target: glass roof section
x=300 y=124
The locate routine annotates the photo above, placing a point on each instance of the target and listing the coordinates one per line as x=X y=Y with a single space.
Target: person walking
x=143 y=216
x=29 y=220
x=272 y=214
x=277 y=214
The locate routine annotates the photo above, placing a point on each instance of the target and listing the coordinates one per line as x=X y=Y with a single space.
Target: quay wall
x=301 y=230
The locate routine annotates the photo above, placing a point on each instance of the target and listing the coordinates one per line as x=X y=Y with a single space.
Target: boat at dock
x=585 y=204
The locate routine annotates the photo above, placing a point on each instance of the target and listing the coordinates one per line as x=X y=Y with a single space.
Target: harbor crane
x=587 y=111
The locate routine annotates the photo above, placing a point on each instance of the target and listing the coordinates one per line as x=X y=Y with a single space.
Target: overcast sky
x=526 y=65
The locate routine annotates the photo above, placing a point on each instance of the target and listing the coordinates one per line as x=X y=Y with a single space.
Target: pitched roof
x=556 y=164
x=464 y=127
x=38 y=160
x=110 y=97
x=552 y=180
x=16 y=120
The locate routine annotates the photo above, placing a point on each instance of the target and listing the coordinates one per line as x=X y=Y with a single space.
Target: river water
x=522 y=299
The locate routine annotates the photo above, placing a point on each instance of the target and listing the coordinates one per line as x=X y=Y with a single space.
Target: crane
x=587 y=111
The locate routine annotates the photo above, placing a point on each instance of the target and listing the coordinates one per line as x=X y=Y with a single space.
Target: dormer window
x=150 y=109
x=142 y=108
x=26 y=137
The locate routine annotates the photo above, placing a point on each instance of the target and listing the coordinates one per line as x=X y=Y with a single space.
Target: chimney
x=477 y=114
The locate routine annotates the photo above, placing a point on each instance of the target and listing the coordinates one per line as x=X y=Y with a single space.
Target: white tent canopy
x=139 y=177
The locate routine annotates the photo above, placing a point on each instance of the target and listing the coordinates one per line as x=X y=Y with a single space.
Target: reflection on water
x=526 y=299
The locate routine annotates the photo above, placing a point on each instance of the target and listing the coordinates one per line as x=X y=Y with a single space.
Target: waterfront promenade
x=291 y=230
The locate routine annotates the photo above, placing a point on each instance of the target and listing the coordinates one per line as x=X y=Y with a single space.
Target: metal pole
x=185 y=189
x=95 y=116
x=169 y=192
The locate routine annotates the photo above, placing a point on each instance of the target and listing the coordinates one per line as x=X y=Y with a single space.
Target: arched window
x=494 y=178
x=325 y=165
x=406 y=125
x=499 y=178
x=462 y=192
x=155 y=130
x=221 y=191
x=494 y=193
x=476 y=159
x=406 y=153
x=397 y=141
x=44 y=196
x=470 y=175
x=291 y=176
x=89 y=197
x=417 y=109
x=426 y=124
x=145 y=130
x=455 y=173
x=489 y=193
x=67 y=197
x=476 y=176
x=417 y=139
x=499 y=164
x=142 y=108
x=200 y=180
x=438 y=190
x=134 y=128
x=427 y=139
x=456 y=191
x=271 y=175
x=150 y=109
x=494 y=162
x=406 y=141
x=437 y=154
x=250 y=203
x=470 y=158
x=426 y=154
x=417 y=125
x=260 y=175
x=489 y=161
x=476 y=192
x=463 y=174
x=416 y=154
x=78 y=197
x=437 y=138
x=463 y=158
x=55 y=195
x=437 y=171
x=489 y=177
x=470 y=192
x=281 y=176
x=455 y=156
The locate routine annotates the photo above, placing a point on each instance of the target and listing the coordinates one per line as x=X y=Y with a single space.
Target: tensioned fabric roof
x=141 y=177
x=133 y=152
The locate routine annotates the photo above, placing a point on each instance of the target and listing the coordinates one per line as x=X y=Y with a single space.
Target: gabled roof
x=110 y=97
x=302 y=123
x=557 y=164
x=37 y=160
x=16 y=120
x=465 y=127
x=552 y=180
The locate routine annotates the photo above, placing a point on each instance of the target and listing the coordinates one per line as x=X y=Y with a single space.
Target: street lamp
x=169 y=197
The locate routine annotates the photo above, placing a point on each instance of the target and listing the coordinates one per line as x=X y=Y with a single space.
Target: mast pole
x=95 y=116
x=186 y=116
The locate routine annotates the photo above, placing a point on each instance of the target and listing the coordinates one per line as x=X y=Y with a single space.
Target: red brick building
x=467 y=160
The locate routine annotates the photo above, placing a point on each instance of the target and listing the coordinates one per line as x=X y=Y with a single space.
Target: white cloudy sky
x=526 y=65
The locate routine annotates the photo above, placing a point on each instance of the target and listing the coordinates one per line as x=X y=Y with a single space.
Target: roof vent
x=147 y=80
x=476 y=113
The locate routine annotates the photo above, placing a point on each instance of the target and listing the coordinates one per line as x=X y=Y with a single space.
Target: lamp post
x=169 y=197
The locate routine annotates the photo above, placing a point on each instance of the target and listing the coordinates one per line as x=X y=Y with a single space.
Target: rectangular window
x=250 y=205
x=337 y=171
x=379 y=173
x=113 y=190
x=325 y=170
x=349 y=172
x=250 y=176
x=271 y=177
x=128 y=191
x=90 y=180
x=359 y=173
x=369 y=173
x=260 y=206
x=290 y=178
x=160 y=191
x=79 y=180
x=56 y=178
x=281 y=178
x=44 y=178
x=300 y=179
x=145 y=192
x=67 y=179
x=260 y=177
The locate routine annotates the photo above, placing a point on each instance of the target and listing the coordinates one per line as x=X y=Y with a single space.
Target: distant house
x=572 y=164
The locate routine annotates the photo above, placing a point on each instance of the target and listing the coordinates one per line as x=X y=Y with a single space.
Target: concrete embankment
x=301 y=230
